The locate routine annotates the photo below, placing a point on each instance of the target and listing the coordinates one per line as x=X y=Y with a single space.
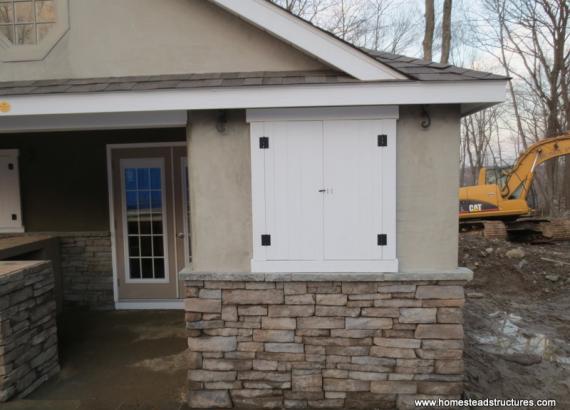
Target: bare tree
x=446 y=32
x=309 y=10
x=480 y=143
x=429 y=29
x=531 y=40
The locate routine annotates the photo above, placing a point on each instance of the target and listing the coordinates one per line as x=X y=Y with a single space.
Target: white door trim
x=109 y=149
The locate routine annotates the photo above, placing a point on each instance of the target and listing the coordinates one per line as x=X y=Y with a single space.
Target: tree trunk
x=429 y=29
x=446 y=32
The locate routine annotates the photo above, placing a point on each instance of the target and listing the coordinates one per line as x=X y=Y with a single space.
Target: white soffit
x=309 y=39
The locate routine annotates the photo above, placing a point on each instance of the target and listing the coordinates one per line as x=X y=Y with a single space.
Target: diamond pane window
x=26 y=22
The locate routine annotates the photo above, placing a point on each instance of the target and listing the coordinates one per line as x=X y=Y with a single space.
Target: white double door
x=324 y=187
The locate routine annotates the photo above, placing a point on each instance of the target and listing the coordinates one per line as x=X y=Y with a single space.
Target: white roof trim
x=469 y=94
x=310 y=39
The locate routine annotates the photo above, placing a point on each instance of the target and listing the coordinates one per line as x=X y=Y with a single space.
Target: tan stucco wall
x=145 y=37
x=63 y=175
x=427 y=189
x=428 y=175
x=220 y=193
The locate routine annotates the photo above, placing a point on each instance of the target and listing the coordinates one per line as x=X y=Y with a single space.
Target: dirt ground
x=517 y=320
x=116 y=361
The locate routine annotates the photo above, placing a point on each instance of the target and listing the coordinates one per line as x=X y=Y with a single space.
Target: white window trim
x=256 y=117
x=13 y=155
x=10 y=52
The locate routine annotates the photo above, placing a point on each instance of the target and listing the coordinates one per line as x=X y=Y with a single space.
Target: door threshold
x=150 y=304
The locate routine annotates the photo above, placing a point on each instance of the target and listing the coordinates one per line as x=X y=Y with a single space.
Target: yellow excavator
x=498 y=203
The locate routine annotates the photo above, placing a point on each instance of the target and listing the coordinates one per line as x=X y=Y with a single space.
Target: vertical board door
x=10 y=209
x=353 y=200
x=293 y=179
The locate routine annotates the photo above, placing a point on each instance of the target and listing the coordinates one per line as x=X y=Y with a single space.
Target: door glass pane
x=143 y=193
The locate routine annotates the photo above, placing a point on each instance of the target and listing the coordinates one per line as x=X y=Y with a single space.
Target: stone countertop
x=11 y=242
x=10 y=267
x=459 y=274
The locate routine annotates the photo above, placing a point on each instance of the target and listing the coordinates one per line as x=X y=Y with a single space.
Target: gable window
x=324 y=189
x=10 y=208
x=30 y=28
x=26 y=22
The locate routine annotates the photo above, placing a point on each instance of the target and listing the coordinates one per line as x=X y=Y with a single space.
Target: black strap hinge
x=263 y=142
x=382 y=140
x=382 y=239
x=265 y=240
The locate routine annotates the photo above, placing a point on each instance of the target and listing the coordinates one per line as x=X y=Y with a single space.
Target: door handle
x=180 y=235
x=322 y=190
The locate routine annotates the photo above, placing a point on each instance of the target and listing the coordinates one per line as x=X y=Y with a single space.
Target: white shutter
x=353 y=202
x=293 y=177
x=332 y=150
x=10 y=208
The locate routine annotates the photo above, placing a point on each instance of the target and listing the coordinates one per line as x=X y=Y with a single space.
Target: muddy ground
x=517 y=320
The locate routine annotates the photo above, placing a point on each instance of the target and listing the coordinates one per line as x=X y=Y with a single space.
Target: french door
x=151 y=220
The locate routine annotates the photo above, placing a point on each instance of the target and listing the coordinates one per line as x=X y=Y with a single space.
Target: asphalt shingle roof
x=414 y=69
x=422 y=70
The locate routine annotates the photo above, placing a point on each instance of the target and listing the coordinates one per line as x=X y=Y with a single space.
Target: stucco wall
x=141 y=37
x=220 y=193
x=427 y=187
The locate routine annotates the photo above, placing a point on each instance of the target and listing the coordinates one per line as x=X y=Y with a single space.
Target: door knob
x=180 y=235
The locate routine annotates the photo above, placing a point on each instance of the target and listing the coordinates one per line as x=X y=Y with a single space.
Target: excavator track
x=487 y=229
x=529 y=230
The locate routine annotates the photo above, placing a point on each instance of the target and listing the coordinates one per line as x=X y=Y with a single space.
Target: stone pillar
x=315 y=344
x=28 y=330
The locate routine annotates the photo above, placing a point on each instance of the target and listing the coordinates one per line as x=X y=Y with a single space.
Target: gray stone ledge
x=459 y=274
x=8 y=268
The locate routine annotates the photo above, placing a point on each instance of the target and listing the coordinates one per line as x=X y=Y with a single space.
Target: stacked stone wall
x=323 y=344
x=28 y=330
x=87 y=270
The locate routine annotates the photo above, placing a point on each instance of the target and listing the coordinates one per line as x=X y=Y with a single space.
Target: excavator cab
x=494 y=175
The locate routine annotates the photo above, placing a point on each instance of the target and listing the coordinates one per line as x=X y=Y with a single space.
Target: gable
x=111 y=38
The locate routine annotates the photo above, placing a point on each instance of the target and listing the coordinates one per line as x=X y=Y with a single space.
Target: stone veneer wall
x=87 y=269
x=323 y=344
x=28 y=330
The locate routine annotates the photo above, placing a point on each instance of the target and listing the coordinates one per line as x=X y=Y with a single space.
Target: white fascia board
x=338 y=95
x=309 y=39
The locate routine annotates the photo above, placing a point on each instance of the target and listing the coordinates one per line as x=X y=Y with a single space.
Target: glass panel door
x=143 y=188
